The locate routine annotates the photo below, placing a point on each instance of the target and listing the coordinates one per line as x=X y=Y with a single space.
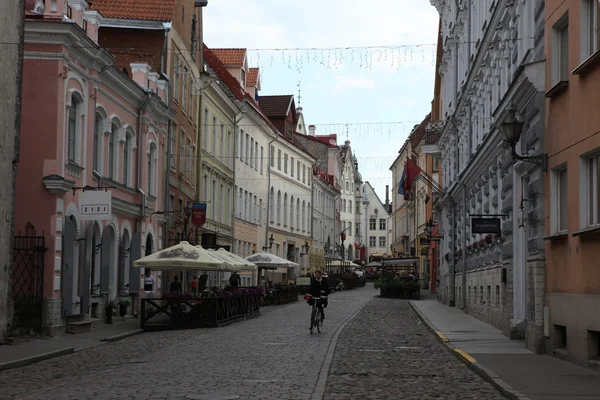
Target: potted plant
x=123 y=304
x=109 y=308
x=488 y=240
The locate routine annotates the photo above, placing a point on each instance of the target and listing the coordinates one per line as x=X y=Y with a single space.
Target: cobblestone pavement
x=269 y=357
x=386 y=352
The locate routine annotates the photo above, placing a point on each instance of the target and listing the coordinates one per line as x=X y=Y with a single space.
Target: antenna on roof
x=299 y=93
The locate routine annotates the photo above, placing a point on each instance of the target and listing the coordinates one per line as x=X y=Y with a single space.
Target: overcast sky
x=372 y=97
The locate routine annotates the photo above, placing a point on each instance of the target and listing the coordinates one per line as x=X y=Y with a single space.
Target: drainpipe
x=452 y=291
x=312 y=216
x=269 y=188
x=464 y=246
x=139 y=159
x=235 y=128
x=163 y=74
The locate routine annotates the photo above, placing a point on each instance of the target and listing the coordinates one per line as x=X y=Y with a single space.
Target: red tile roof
x=149 y=10
x=252 y=76
x=418 y=133
x=215 y=63
x=276 y=106
x=230 y=56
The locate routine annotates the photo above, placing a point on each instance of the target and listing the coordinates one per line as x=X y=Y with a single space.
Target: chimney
x=153 y=81
x=78 y=7
x=387 y=197
x=139 y=73
x=93 y=19
x=162 y=90
x=312 y=130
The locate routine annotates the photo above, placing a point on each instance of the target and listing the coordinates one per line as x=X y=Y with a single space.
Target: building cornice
x=57 y=184
x=132 y=24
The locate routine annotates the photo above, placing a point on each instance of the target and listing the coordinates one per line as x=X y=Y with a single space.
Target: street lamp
x=512 y=129
x=306 y=247
x=271 y=240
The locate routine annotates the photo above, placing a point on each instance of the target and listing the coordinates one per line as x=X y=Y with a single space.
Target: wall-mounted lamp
x=271 y=240
x=512 y=129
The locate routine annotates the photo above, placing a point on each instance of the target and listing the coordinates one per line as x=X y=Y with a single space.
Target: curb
x=319 y=391
x=116 y=338
x=486 y=373
x=35 y=359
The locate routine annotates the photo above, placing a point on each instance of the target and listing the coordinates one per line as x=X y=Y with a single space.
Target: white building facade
x=490 y=64
x=349 y=208
x=377 y=222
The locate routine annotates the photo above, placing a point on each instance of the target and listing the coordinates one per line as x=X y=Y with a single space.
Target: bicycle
x=316 y=316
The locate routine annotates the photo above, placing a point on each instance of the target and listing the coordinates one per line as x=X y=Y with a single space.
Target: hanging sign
x=199 y=214
x=486 y=225
x=95 y=205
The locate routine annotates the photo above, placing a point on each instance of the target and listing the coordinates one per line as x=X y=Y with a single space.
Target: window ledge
x=557 y=236
x=557 y=89
x=588 y=231
x=585 y=67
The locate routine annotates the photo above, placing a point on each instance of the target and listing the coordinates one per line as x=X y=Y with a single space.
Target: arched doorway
x=69 y=268
x=124 y=263
x=107 y=261
x=149 y=244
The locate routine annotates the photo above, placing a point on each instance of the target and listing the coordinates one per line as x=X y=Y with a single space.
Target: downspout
x=464 y=246
x=452 y=291
x=235 y=129
x=163 y=74
x=139 y=159
x=312 y=217
x=269 y=189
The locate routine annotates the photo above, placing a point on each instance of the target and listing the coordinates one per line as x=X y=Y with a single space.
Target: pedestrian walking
x=234 y=280
x=149 y=283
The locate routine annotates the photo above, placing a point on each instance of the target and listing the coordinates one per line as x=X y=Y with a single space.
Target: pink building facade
x=87 y=124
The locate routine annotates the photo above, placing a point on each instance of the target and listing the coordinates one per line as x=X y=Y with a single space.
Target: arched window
x=278 y=220
x=350 y=206
x=152 y=153
x=271 y=201
x=285 y=209
x=303 y=216
x=127 y=150
x=98 y=121
x=112 y=142
x=292 y=215
x=298 y=214
x=308 y=217
x=73 y=127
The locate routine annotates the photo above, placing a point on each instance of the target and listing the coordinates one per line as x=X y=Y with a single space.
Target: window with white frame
x=189 y=158
x=184 y=89
x=285 y=163
x=127 y=150
x=176 y=75
x=205 y=138
x=74 y=128
x=372 y=224
x=222 y=148
x=262 y=151
x=152 y=161
x=113 y=140
x=256 y=161
x=292 y=167
x=251 y=152
x=560 y=197
x=214 y=136
x=182 y=153
x=560 y=50
x=278 y=159
x=98 y=128
x=382 y=241
x=229 y=152
x=248 y=145
x=272 y=156
x=382 y=224
x=241 y=135
x=298 y=169
x=590 y=33
x=372 y=241
x=593 y=190
x=173 y=149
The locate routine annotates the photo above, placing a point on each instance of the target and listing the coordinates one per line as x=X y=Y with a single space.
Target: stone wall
x=11 y=69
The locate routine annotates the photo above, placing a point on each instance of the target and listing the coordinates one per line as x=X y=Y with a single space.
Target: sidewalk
x=39 y=349
x=516 y=371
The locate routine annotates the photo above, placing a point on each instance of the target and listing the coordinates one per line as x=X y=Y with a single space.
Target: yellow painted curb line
x=466 y=356
x=442 y=337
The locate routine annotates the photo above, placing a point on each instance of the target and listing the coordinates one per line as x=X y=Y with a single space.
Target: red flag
x=411 y=171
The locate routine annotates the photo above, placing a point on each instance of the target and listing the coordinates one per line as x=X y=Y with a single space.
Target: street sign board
x=199 y=214
x=95 y=205
x=486 y=225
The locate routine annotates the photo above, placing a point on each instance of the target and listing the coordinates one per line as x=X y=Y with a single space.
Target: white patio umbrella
x=245 y=264
x=184 y=256
x=268 y=260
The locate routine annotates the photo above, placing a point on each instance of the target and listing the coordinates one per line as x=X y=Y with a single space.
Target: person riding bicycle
x=318 y=288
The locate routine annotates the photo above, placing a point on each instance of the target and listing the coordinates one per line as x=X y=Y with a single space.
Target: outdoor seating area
x=342 y=270
x=399 y=279
x=280 y=294
x=275 y=294
x=204 y=307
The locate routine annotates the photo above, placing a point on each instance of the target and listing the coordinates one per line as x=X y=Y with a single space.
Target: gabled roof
x=147 y=10
x=215 y=63
x=276 y=106
x=252 y=78
x=418 y=133
x=230 y=57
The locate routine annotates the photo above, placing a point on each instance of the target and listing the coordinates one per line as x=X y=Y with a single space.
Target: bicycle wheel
x=312 y=319
x=319 y=322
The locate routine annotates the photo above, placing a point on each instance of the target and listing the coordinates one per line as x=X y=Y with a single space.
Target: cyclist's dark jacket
x=316 y=287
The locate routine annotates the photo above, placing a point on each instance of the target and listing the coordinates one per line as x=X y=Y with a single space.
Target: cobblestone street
x=270 y=357
x=387 y=353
